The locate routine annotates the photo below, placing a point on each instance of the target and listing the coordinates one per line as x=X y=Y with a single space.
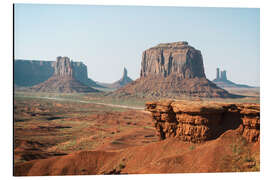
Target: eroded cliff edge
x=198 y=121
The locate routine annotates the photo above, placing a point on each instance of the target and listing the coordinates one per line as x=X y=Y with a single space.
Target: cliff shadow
x=230 y=120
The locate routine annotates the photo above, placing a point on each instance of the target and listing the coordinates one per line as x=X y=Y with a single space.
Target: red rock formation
x=172 y=70
x=169 y=58
x=200 y=121
x=32 y=72
x=63 y=67
x=63 y=79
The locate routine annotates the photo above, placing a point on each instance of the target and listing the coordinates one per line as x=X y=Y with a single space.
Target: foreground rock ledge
x=198 y=121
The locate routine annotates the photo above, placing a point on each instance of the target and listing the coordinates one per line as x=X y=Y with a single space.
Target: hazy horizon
x=109 y=38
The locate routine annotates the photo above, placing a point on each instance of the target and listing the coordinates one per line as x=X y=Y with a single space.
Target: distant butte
x=28 y=73
x=63 y=79
x=222 y=81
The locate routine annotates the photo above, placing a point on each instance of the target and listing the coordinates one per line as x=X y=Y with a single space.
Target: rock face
x=172 y=58
x=125 y=79
x=63 y=79
x=172 y=70
x=222 y=81
x=120 y=83
x=201 y=121
x=32 y=72
x=63 y=67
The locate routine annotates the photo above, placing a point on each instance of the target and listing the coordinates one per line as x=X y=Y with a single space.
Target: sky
x=109 y=38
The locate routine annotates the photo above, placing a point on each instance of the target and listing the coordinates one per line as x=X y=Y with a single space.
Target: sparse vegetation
x=192 y=147
x=121 y=166
x=68 y=125
x=240 y=159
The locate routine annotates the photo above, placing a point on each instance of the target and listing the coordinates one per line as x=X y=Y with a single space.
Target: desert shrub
x=192 y=147
x=240 y=159
x=121 y=166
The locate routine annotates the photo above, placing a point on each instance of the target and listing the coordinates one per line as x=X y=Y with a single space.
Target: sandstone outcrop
x=172 y=70
x=32 y=72
x=63 y=79
x=124 y=79
x=197 y=121
x=63 y=67
x=169 y=58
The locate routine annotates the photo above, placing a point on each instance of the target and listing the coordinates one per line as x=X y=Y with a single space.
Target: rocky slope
x=125 y=79
x=63 y=79
x=201 y=121
x=32 y=72
x=172 y=70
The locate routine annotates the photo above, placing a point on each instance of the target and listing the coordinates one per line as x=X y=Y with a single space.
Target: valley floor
x=60 y=134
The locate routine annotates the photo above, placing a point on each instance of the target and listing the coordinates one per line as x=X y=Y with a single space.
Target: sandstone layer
x=63 y=79
x=172 y=70
x=197 y=121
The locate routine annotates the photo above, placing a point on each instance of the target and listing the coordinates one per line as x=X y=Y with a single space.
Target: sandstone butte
x=172 y=70
x=63 y=79
x=197 y=121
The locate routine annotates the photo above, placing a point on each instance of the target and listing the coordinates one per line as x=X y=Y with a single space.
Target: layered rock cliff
x=197 y=121
x=169 y=58
x=172 y=70
x=63 y=79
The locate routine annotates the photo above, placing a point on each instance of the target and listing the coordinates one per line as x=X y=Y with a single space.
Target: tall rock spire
x=217 y=75
x=125 y=72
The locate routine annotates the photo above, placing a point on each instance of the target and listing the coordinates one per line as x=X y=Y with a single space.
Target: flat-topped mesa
x=172 y=58
x=63 y=67
x=179 y=44
x=172 y=70
x=201 y=121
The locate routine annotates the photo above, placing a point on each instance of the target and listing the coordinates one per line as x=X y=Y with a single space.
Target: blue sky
x=107 y=38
